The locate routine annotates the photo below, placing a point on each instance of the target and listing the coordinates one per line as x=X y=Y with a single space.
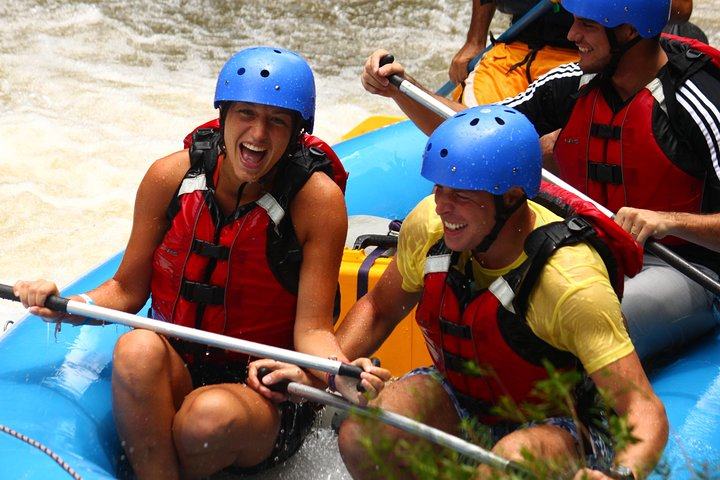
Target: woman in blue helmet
x=240 y=235
x=461 y=253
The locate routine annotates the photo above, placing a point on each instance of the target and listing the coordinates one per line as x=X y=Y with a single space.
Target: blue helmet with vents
x=491 y=148
x=269 y=76
x=648 y=17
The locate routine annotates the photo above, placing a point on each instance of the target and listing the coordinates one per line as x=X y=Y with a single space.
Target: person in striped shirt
x=638 y=130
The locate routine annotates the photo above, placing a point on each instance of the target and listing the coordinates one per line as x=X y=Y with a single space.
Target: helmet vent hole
x=444 y=153
x=429 y=146
x=264 y=73
x=241 y=71
x=474 y=121
x=499 y=121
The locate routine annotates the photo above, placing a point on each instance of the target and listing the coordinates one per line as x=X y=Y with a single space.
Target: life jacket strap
x=610 y=132
x=459 y=364
x=207 y=249
x=202 y=293
x=455 y=329
x=601 y=172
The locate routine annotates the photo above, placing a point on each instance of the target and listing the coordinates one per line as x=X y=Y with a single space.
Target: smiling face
x=593 y=45
x=255 y=136
x=467 y=216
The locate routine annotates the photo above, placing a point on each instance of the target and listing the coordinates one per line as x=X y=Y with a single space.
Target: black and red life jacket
x=220 y=273
x=614 y=157
x=480 y=340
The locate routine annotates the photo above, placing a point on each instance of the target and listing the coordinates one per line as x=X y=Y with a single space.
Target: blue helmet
x=269 y=76
x=648 y=17
x=491 y=148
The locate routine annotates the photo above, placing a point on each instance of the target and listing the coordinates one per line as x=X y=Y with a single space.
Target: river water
x=92 y=92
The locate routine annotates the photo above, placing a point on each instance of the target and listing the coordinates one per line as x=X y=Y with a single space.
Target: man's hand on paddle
x=375 y=78
x=372 y=380
x=458 y=70
x=643 y=224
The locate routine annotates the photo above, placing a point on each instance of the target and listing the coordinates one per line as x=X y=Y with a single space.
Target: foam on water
x=91 y=93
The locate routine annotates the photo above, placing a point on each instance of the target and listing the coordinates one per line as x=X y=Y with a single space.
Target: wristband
x=330 y=377
x=87 y=298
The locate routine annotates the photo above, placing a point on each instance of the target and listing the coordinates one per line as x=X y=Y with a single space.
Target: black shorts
x=296 y=420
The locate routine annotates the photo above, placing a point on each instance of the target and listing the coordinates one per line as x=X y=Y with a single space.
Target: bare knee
x=362 y=440
x=368 y=446
x=539 y=442
x=216 y=418
x=205 y=416
x=352 y=449
x=139 y=356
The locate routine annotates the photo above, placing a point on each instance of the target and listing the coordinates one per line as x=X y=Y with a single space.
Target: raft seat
x=368 y=251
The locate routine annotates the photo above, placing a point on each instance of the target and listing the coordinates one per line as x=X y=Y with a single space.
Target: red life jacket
x=487 y=328
x=223 y=274
x=712 y=52
x=614 y=158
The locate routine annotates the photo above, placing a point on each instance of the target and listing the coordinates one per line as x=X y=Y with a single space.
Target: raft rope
x=43 y=449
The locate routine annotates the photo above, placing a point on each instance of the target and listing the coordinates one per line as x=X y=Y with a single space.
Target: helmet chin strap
x=616 y=52
x=502 y=215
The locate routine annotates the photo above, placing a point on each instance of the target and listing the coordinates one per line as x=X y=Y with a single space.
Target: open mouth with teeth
x=453 y=227
x=252 y=155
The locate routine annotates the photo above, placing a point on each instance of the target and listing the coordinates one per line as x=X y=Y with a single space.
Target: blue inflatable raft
x=55 y=405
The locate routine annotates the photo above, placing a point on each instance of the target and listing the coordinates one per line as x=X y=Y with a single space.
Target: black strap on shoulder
x=204 y=152
x=283 y=249
x=205 y=148
x=540 y=246
x=294 y=171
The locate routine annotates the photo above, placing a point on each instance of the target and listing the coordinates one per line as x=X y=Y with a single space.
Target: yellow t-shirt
x=573 y=306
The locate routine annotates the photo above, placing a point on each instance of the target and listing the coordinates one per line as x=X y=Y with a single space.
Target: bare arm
x=680 y=11
x=320 y=221
x=375 y=80
x=482 y=15
x=372 y=319
x=628 y=391
x=701 y=229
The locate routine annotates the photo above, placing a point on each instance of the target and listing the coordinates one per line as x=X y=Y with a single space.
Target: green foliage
x=553 y=397
x=425 y=460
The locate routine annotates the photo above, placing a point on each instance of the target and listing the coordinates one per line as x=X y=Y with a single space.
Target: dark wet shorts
x=296 y=420
x=597 y=448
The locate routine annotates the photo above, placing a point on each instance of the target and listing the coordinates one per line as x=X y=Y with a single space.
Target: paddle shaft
x=656 y=248
x=542 y=7
x=411 y=426
x=62 y=304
